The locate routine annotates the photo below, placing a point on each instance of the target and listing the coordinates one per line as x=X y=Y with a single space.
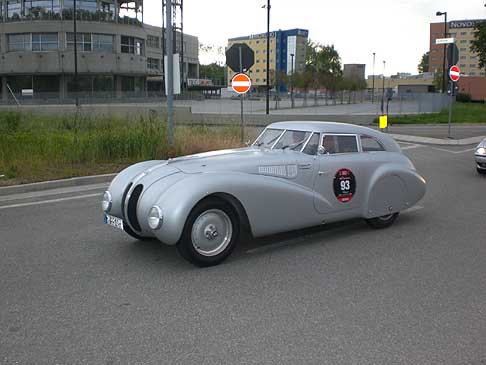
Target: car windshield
x=292 y=140
x=268 y=137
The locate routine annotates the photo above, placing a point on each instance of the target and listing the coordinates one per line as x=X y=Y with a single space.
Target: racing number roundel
x=344 y=185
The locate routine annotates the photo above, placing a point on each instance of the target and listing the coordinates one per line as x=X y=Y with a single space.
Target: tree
x=212 y=72
x=423 y=66
x=478 y=45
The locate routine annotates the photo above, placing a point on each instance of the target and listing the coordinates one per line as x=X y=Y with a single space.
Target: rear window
x=339 y=144
x=370 y=144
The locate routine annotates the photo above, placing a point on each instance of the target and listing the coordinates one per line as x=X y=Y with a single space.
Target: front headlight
x=106 y=201
x=155 y=217
x=481 y=151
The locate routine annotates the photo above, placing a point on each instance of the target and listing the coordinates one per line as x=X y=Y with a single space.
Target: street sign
x=444 y=40
x=241 y=83
x=452 y=54
x=454 y=73
x=233 y=57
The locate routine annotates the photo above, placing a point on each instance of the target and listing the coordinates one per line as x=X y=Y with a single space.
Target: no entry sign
x=454 y=73
x=241 y=83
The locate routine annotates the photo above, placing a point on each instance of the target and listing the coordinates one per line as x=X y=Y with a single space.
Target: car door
x=341 y=176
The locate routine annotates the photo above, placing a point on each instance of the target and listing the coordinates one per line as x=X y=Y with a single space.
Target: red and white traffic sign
x=241 y=83
x=454 y=73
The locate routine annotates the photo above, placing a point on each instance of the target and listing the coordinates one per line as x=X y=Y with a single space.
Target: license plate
x=113 y=221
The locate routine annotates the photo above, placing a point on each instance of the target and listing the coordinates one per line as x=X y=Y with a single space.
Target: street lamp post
x=444 y=51
x=383 y=91
x=292 y=80
x=373 y=93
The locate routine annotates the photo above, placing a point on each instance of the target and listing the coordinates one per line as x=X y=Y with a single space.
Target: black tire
x=188 y=248
x=382 y=222
x=481 y=171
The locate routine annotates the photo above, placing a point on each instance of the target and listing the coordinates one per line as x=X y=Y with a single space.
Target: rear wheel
x=382 y=222
x=210 y=233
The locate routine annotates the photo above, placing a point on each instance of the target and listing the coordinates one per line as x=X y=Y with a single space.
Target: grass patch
x=37 y=148
x=461 y=113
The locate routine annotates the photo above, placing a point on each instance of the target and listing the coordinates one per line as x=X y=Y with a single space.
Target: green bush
x=463 y=97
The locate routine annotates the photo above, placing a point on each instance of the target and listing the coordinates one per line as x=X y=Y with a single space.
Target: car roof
x=322 y=127
x=335 y=127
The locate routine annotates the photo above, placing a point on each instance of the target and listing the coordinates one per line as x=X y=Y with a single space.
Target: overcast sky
x=396 y=30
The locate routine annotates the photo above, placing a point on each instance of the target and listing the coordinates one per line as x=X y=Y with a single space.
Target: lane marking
x=50 y=201
x=412 y=146
x=59 y=191
x=453 y=152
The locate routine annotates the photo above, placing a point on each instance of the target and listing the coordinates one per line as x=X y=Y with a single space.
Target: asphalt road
x=75 y=291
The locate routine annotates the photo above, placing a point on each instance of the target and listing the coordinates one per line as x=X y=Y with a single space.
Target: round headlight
x=155 y=217
x=106 y=201
x=481 y=151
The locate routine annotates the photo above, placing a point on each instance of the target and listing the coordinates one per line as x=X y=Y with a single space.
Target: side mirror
x=321 y=150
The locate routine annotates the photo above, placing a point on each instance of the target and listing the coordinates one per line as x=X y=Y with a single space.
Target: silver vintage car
x=480 y=157
x=295 y=175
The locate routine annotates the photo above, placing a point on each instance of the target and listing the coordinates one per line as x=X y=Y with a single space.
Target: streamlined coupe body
x=295 y=175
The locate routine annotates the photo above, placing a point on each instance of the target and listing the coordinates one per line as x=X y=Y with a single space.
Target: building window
x=42 y=42
x=472 y=65
x=102 y=42
x=107 y=8
x=472 y=73
x=132 y=45
x=463 y=57
x=463 y=40
x=14 y=9
x=152 y=41
x=19 y=42
x=463 y=33
x=83 y=41
x=153 y=63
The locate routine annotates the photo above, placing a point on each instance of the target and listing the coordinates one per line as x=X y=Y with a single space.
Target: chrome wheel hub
x=211 y=232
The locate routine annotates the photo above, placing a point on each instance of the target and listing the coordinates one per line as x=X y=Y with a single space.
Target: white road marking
x=50 y=201
x=413 y=209
x=453 y=152
x=412 y=146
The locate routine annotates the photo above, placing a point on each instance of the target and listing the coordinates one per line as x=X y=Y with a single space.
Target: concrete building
x=286 y=46
x=472 y=77
x=354 y=71
x=118 y=55
x=403 y=83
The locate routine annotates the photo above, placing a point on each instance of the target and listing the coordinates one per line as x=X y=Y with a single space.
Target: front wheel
x=382 y=222
x=210 y=233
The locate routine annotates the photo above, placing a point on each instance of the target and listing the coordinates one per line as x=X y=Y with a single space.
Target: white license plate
x=113 y=221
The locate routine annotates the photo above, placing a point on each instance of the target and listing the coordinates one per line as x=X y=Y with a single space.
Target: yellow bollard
x=383 y=121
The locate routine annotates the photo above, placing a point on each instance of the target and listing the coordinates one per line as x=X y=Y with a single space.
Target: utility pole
x=170 y=72
x=292 y=104
x=383 y=92
x=373 y=93
x=76 y=90
x=268 y=59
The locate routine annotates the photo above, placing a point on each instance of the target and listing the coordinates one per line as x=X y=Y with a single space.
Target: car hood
x=248 y=160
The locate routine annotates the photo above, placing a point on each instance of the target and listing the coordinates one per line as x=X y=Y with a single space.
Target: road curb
x=55 y=184
x=436 y=141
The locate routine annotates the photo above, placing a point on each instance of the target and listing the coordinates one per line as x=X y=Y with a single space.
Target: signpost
x=454 y=75
x=444 y=40
x=240 y=57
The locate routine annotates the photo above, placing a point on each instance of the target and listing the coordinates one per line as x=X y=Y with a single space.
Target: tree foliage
x=478 y=45
x=213 y=72
x=423 y=66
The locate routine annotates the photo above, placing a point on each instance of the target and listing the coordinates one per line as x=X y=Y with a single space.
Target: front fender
x=272 y=204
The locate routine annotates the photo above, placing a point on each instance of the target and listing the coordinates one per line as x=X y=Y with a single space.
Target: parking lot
x=76 y=291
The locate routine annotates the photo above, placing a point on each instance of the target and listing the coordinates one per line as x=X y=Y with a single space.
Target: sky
x=396 y=30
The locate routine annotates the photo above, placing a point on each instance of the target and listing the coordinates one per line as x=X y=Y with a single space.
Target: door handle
x=304 y=166
x=320 y=173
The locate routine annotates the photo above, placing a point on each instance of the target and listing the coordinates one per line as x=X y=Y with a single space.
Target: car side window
x=311 y=147
x=370 y=144
x=339 y=144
